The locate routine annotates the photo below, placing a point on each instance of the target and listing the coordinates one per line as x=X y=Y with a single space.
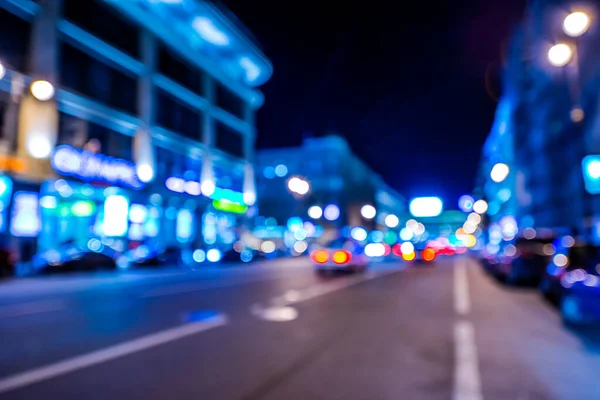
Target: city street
x=278 y=331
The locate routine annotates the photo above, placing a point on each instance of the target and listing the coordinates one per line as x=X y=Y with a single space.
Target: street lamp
x=368 y=211
x=499 y=172
x=480 y=206
x=576 y=24
x=391 y=221
x=298 y=185
x=560 y=55
x=42 y=90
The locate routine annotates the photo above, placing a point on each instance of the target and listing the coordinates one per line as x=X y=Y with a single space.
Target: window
x=176 y=116
x=15 y=36
x=229 y=140
x=78 y=133
x=175 y=68
x=91 y=77
x=105 y=23
x=229 y=101
x=113 y=143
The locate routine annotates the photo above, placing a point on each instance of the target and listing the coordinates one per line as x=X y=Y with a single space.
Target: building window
x=80 y=134
x=229 y=101
x=174 y=67
x=113 y=143
x=91 y=77
x=229 y=140
x=15 y=36
x=176 y=116
x=102 y=21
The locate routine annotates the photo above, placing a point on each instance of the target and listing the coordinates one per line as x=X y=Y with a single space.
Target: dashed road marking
x=467 y=383
x=462 y=301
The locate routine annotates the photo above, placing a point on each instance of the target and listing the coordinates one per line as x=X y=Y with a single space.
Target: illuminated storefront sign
x=25 y=221
x=88 y=166
x=227 y=206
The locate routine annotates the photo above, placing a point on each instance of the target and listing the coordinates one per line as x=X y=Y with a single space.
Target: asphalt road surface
x=277 y=331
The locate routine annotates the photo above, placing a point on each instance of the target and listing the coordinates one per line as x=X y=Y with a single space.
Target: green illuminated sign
x=83 y=208
x=224 y=205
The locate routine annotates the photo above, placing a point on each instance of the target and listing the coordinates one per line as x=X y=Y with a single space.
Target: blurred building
x=548 y=121
x=126 y=121
x=339 y=186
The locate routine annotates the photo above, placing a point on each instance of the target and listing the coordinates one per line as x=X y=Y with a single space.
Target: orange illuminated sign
x=12 y=164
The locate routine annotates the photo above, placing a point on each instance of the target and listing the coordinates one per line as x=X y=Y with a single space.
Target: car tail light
x=428 y=254
x=341 y=257
x=320 y=256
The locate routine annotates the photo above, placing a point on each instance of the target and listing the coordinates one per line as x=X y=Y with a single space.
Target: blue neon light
x=25 y=221
x=591 y=173
x=88 y=166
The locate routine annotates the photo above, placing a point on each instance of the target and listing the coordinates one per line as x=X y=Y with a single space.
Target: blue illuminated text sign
x=88 y=166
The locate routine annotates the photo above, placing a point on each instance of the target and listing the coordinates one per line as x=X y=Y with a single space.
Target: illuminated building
x=113 y=106
x=551 y=121
x=341 y=186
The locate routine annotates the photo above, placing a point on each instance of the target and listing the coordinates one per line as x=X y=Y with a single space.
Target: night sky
x=404 y=82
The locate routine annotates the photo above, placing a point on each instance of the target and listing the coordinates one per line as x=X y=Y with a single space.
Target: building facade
x=340 y=184
x=550 y=118
x=126 y=121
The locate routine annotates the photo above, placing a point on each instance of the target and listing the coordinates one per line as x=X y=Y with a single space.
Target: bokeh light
x=576 y=24
x=560 y=55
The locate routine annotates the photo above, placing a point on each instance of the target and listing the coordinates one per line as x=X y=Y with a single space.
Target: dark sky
x=403 y=81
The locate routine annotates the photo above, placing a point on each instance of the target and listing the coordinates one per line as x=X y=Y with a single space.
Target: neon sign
x=88 y=166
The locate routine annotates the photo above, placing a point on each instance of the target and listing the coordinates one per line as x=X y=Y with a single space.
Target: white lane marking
x=462 y=301
x=37 y=307
x=467 y=383
x=197 y=286
x=100 y=356
x=297 y=296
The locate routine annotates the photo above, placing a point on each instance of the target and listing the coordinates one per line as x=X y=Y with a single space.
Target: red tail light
x=428 y=254
x=341 y=257
x=320 y=256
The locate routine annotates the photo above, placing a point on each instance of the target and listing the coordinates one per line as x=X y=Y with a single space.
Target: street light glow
x=426 y=206
x=42 y=90
x=331 y=212
x=480 y=206
x=576 y=24
x=2 y=71
x=368 y=211
x=298 y=186
x=391 y=221
x=560 y=55
x=315 y=212
x=499 y=172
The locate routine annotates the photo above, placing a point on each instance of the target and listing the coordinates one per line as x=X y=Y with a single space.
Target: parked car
x=7 y=265
x=571 y=263
x=147 y=257
x=74 y=259
x=528 y=264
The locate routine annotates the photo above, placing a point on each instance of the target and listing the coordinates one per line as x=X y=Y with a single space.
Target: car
x=560 y=273
x=75 y=260
x=147 y=256
x=338 y=259
x=7 y=263
x=528 y=263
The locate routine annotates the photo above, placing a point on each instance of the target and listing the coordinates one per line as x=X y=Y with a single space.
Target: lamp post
x=562 y=54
